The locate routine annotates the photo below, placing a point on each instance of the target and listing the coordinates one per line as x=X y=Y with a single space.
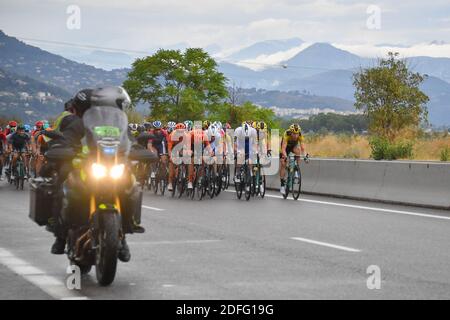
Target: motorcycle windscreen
x=107 y=126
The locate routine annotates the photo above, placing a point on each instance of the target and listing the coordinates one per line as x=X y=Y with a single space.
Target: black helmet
x=110 y=97
x=82 y=101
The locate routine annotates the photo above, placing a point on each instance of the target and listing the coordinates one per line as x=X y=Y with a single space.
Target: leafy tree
x=389 y=95
x=236 y=114
x=177 y=85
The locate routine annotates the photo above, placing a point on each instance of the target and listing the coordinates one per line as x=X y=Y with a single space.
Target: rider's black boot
x=124 y=252
x=58 y=246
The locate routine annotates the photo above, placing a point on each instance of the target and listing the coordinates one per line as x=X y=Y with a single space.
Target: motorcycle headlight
x=116 y=171
x=98 y=170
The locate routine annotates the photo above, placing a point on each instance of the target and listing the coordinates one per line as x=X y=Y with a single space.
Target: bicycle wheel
x=162 y=186
x=296 y=183
x=262 y=184
x=227 y=177
x=287 y=186
x=218 y=180
x=248 y=183
x=182 y=181
x=175 y=183
x=239 y=185
x=211 y=182
x=200 y=185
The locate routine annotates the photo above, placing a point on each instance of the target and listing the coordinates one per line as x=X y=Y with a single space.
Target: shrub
x=382 y=149
x=445 y=154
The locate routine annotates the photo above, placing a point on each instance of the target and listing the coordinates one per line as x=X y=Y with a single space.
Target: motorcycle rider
x=73 y=131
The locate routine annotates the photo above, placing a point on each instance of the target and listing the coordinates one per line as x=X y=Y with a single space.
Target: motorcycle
x=101 y=199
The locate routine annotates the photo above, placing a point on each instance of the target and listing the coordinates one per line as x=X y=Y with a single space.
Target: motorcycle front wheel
x=107 y=249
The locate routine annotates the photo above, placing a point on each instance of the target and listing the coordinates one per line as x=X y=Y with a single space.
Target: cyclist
x=19 y=144
x=292 y=142
x=171 y=126
x=176 y=137
x=3 y=145
x=12 y=125
x=197 y=137
x=189 y=125
x=245 y=146
x=158 y=143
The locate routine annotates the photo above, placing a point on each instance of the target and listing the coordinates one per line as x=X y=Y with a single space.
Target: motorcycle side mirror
x=143 y=155
x=61 y=154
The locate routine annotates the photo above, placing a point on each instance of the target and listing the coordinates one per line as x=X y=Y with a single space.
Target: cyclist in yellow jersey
x=292 y=142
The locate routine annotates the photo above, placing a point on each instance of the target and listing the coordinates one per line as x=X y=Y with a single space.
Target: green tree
x=177 y=85
x=389 y=95
x=236 y=114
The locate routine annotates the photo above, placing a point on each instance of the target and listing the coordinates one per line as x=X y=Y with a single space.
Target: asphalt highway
x=314 y=248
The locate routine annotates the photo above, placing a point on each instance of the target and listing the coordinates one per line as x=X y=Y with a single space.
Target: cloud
x=140 y=25
x=423 y=49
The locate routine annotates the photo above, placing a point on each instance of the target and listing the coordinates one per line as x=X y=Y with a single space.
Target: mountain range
x=319 y=76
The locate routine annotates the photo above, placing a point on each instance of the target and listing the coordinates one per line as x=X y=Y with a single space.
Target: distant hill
x=26 y=60
x=107 y=60
x=321 y=57
x=293 y=99
x=29 y=99
x=265 y=47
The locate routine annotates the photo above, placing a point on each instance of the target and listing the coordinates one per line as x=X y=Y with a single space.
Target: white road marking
x=325 y=244
x=152 y=208
x=50 y=285
x=171 y=242
x=417 y=214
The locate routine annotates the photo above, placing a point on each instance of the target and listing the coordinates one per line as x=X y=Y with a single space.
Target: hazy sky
x=141 y=25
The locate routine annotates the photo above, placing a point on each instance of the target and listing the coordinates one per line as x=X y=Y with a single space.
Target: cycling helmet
x=262 y=126
x=254 y=124
x=295 y=128
x=206 y=124
x=27 y=128
x=189 y=125
x=157 y=124
x=147 y=125
x=46 y=126
x=21 y=127
x=39 y=124
x=218 y=125
x=171 y=124
x=12 y=124
x=180 y=126
x=140 y=128
x=133 y=126
x=246 y=128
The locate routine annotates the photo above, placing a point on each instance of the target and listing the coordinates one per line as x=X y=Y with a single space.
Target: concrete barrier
x=403 y=182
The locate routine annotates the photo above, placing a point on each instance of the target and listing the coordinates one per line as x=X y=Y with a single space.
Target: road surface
x=314 y=248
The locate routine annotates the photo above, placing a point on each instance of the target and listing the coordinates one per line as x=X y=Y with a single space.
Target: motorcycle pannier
x=41 y=201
